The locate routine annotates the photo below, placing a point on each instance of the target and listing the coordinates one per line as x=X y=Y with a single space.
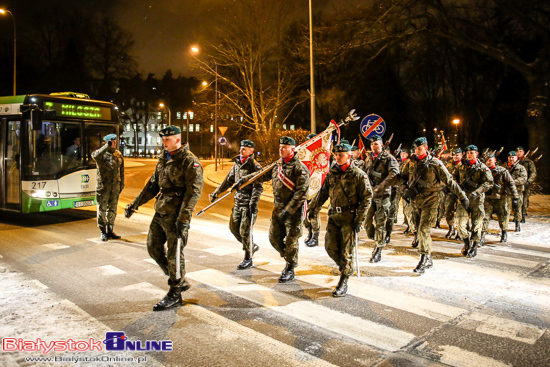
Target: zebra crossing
x=455 y=314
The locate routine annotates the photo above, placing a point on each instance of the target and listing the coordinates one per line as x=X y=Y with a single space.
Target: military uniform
x=395 y=198
x=520 y=176
x=110 y=182
x=495 y=199
x=177 y=185
x=451 y=202
x=382 y=170
x=245 y=209
x=531 y=176
x=290 y=181
x=475 y=179
x=350 y=194
x=425 y=177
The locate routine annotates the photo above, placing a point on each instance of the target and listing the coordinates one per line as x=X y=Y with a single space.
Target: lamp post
x=162 y=105
x=311 y=74
x=188 y=115
x=195 y=50
x=5 y=11
x=456 y=122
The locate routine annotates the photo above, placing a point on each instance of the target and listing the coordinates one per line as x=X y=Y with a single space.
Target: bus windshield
x=58 y=148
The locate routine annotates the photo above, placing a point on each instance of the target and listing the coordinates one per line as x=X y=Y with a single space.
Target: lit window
x=284 y=126
x=197 y=127
x=191 y=128
x=178 y=115
x=211 y=128
x=292 y=127
x=184 y=128
x=191 y=115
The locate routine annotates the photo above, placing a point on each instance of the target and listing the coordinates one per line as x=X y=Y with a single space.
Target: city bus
x=46 y=141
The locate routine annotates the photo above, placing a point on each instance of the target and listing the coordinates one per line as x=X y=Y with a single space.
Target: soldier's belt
x=342 y=209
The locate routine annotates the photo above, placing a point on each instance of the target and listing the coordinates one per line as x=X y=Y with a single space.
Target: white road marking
x=145 y=287
x=503 y=328
x=150 y=261
x=55 y=246
x=110 y=270
x=222 y=251
x=365 y=331
x=458 y=357
x=95 y=240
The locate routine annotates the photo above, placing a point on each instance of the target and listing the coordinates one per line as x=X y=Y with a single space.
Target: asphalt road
x=493 y=310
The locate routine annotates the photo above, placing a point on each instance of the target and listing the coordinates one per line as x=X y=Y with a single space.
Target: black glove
x=407 y=195
x=283 y=215
x=213 y=196
x=129 y=211
x=465 y=203
x=253 y=208
x=515 y=204
x=238 y=184
x=110 y=143
x=357 y=226
x=181 y=227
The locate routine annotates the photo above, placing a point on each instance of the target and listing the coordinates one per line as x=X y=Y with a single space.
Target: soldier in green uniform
x=531 y=176
x=312 y=222
x=110 y=182
x=425 y=176
x=382 y=169
x=407 y=207
x=475 y=178
x=350 y=194
x=451 y=199
x=395 y=198
x=495 y=199
x=356 y=159
x=177 y=185
x=290 y=179
x=245 y=209
x=520 y=176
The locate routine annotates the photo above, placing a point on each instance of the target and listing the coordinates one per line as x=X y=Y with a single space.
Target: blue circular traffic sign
x=372 y=125
x=222 y=140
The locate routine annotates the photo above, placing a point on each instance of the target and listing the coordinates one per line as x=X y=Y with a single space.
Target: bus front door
x=10 y=165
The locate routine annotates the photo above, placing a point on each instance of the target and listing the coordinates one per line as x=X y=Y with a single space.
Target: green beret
x=489 y=155
x=354 y=148
x=342 y=148
x=344 y=141
x=287 y=140
x=420 y=141
x=170 y=130
x=471 y=148
x=512 y=152
x=457 y=151
x=520 y=148
x=247 y=143
x=109 y=137
x=405 y=150
x=310 y=136
x=375 y=138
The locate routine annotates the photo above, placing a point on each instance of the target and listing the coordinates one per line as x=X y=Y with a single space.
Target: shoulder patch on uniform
x=196 y=164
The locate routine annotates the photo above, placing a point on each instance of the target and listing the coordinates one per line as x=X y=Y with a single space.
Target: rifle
x=398 y=151
x=538 y=158
x=333 y=126
x=533 y=152
x=387 y=143
x=499 y=151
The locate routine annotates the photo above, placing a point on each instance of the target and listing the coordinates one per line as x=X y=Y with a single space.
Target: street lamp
x=195 y=51
x=3 y=12
x=162 y=105
x=311 y=74
x=456 y=122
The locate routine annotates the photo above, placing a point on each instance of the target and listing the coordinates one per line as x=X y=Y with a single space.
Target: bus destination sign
x=79 y=110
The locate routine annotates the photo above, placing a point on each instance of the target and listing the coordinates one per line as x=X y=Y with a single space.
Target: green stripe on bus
x=35 y=205
x=13 y=99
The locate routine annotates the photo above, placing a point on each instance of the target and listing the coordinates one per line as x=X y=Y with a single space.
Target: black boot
x=395 y=219
x=172 y=299
x=518 y=227
x=309 y=235
x=503 y=236
x=255 y=248
x=407 y=230
x=246 y=263
x=523 y=218
x=387 y=239
x=104 y=236
x=376 y=255
x=112 y=235
x=466 y=249
x=473 y=249
x=342 y=287
x=450 y=232
x=415 y=241
x=424 y=263
x=287 y=274
x=438 y=223
x=314 y=240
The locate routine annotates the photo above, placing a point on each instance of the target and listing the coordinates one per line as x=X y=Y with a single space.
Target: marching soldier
x=110 y=182
x=356 y=159
x=531 y=176
x=245 y=209
x=495 y=200
x=350 y=194
x=382 y=169
x=425 y=177
x=475 y=179
x=396 y=193
x=520 y=176
x=312 y=222
x=290 y=178
x=407 y=207
x=450 y=199
x=177 y=185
